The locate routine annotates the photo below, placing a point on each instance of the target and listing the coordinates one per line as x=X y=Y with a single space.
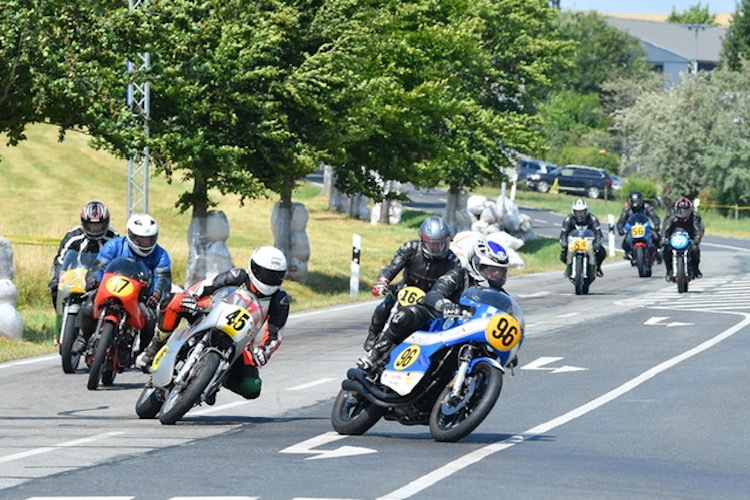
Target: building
x=675 y=48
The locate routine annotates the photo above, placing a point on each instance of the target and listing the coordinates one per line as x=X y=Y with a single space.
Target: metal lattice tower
x=139 y=100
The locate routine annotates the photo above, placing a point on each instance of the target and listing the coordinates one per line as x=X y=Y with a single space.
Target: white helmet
x=488 y=263
x=267 y=268
x=143 y=231
x=580 y=210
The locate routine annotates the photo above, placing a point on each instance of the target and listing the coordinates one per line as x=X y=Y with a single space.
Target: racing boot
x=376 y=356
x=599 y=272
x=659 y=259
x=144 y=359
x=80 y=344
x=372 y=336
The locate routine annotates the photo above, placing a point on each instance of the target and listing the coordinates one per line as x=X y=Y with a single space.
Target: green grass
x=44 y=183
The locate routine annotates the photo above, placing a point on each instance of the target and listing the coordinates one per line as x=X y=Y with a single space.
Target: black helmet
x=435 y=235
x=635 y=200
x=683 y=209
x=95 y=219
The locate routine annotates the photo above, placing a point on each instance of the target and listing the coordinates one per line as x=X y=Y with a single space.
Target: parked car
x=531 y=166
x=577 y=179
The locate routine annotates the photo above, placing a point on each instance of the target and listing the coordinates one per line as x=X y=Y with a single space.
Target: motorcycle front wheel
x=681 y=277
x=353 y=415
x=640 y=254
x=100 y=354
x=149 y=403
x=183 y=397
x=580 y=281
x=70 y=332
x=452 y=418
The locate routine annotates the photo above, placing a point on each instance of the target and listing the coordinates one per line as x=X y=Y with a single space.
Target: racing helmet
x=266 y=268
x=435 y=236
x=635 y=200
x=95 y=219
x=683 y=209
x=488 y=263
x=580 y=210
x=143 y=231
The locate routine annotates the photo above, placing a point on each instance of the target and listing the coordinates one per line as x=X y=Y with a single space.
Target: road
x=631 y=391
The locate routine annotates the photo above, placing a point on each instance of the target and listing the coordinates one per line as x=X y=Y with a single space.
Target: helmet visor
x=95 y=229
x=267 y=276
x=493 y=273
x=434 y=248
x=144 y=242
x=579 y=214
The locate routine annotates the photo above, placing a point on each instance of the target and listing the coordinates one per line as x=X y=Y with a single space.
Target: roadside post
x=611 y=220
x=354 y=278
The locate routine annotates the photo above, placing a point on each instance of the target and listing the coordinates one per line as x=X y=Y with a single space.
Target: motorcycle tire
x=181 y=399
x=101 y=346
x=579 y=281
x=353 y=415
x=450 y=420
x=681 y=276
x=70 y=332
x=149 y=403
x=641 y=258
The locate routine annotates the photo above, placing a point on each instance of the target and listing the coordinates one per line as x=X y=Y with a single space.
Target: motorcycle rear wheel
x=353 y=415
x=100 y=354
x=149 y=402
x=640 y=254
x=451 y=421
x=579 y=280
x=70 y=332
x=681 y=278
x=181 y=399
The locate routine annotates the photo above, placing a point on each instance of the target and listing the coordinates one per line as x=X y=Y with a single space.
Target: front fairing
x=234 y=319
x=72 y=278
x=497 y=323
x=639 y=228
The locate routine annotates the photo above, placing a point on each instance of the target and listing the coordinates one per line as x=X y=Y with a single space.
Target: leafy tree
x=695 y=14
x=736 y=44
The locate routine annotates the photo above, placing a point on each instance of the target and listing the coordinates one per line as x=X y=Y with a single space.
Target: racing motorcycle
x=581 y=263
x=120 y=318
x=195 y=361
x=448 y=377
x=404 y=296
x=639 y=229
x=679 y=242
x=70 y=296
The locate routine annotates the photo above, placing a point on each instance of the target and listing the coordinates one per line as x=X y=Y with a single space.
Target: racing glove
x=52 y=285
x=153 y=299
x=189 y=304
x=451 y=309
x=91 y=283
x=260 y=356
x=379 y=287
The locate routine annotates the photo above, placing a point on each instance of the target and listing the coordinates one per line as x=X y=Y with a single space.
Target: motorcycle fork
x=465 y=355
x=224 y=366
x=189 y=362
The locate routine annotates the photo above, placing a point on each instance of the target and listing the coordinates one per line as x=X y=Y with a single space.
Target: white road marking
x=310 y=384
x=306 y=447
x=66 y=444
x=450 y=468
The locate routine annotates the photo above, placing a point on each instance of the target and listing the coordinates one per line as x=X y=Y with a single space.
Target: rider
x=683 y=217
x=636 y=205
x=139 y=244
x=422 y=260
x=88 y=237
x=486 y=266
x=264 y=275
x=582 y=217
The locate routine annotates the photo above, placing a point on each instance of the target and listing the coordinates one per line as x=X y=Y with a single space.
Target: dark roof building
x=675 y=48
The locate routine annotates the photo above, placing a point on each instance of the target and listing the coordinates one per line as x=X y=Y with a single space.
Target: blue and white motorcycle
x=448 y=377
x=639 y=230
x=679 y=242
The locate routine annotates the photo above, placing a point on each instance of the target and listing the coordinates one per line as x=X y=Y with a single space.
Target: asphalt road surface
x=632 y=391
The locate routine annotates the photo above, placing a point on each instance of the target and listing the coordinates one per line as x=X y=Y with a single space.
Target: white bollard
x=354 y=278
x=611 y=220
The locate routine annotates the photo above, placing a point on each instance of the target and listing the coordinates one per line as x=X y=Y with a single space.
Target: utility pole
x=139 y=100
x=696 y=27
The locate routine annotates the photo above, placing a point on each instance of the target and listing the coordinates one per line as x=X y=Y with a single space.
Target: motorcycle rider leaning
x=264 y=275
x=636 y=205
x=683 y=216
x=486 y=266
x=139 y=244
x=582 y=217
x=422 y=260
x=88 y=237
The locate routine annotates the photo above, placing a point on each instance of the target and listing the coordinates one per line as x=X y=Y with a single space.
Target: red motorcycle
x=120 y=310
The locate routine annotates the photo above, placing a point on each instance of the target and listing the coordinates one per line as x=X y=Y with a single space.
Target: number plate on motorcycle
x=410 y=295
x=235 y=322
x=581 y=245
x=407 y=357
x=119 y=286
x=638 y=231
x=503 y=332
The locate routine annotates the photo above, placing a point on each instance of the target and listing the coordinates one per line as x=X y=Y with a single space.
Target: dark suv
x=577 y=179
x=531 y=166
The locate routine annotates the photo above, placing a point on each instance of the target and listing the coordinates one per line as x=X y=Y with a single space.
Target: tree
x=695 y=14
x=736 y=44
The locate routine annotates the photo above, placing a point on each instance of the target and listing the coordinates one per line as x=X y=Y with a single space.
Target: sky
x=649 y=6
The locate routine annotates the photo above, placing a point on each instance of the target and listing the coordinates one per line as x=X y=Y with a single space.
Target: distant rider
x=140 y=245
x=683 y=216
x=582 y=217
x=486 y=266
x=422 y=260
x=636 y=205
x=88 y=237
x=263 y=277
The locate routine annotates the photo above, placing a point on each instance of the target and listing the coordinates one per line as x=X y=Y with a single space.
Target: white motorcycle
x=195 y=361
